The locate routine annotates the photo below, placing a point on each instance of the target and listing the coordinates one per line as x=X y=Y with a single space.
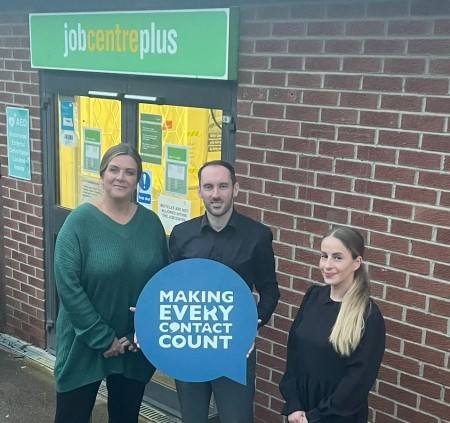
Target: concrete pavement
x=27 y=391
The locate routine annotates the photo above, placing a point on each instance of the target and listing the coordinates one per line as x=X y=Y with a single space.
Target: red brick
x=432 y=216
x=425 y=354
x=427 y=86
x=342 y=82
x=297 y=176
x=362 y=64
x=270 y=78
x=283 y=127
x=392 y=208
x=308 y=10
x=266 y=141
x=379 y=119
x=440 y=307
x=428 y=47
x=376 y=154
x=416 y=195
x=410 y=27
x=320 y=131
x=353 y=10
x=330 y=28
x=333 y=149
x=263 y=171
x=389 y=242
x=394 y=174
x=423 y=123
x=289 y=29
x=387 y=8
x=301 y=145
x=408 y=414
x=302 y=113
x=324 y=64
x=411 y=229
x=401 y=102
x=406 y=297
x=305 y=80
x=401 y=395
x=356 y=135
x=445 y=199
x=287 y=63
x=383 y=84
x=280 y=95
x=419 y=159
x=438 y=180
x=355 y=168
x=435 y=408
x=271 y=46
x=305 y=46
x=330 y=214
x=410 y=264
x=253 y=62
x=364 y=28
x=426 y=320
x=439 y=341
x=402 y=363
x=359 y=100
x=280 y=190
x=430 y=7
x=343 y=46
x=268 y=110
x=370 y=222
x=443 y=236
x=339 y=116
x=325 y=98
x=352 y=201
x=373 y=188
x=433 y=142
x=334 y=182
x=384 y=47
x=437 y=104
x=440 y=66
x=253 y=93
x=272 y=12
x=251 y=124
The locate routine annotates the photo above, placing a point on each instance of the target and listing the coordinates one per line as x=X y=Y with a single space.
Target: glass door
x=176 y=126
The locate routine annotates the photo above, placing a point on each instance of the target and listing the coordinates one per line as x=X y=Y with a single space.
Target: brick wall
x=22 y=228
x=343 y=119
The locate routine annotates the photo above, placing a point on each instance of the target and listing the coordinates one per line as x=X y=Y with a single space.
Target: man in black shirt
x=245 y=246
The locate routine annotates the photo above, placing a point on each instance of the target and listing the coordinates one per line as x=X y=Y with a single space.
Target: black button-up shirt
x=243 y=244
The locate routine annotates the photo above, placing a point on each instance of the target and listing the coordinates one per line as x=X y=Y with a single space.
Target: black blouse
x=328 y=387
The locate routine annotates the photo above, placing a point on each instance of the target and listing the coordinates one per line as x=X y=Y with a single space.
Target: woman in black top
x=336 y=342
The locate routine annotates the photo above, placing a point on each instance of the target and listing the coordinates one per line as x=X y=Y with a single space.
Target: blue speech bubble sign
x=196 y=320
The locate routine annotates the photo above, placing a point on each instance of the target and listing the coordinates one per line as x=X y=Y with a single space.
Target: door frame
x=209 y=94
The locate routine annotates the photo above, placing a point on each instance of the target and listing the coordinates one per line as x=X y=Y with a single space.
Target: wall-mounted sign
x=177 y=43
x=18 y=140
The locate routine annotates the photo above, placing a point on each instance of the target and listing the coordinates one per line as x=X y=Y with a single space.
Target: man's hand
x=253 y=345
x=136 y=343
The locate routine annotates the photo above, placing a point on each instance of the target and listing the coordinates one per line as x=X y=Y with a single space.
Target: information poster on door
x=18 y=140
x=67 y=134
x=151 y=138
x=176 y=175
x=92 y=149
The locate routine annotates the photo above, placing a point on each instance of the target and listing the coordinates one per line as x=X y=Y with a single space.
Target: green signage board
x=18 y=140
x=176 y=43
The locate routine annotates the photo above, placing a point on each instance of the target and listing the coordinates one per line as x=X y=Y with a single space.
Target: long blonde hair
x=348 y=329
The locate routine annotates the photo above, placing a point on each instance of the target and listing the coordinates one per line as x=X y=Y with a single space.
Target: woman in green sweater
x=105 y=253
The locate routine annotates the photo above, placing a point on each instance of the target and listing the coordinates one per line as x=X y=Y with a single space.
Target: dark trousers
x=124 y=401
x=234 y=401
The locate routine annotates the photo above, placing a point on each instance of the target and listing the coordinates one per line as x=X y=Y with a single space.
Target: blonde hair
x=348 y=329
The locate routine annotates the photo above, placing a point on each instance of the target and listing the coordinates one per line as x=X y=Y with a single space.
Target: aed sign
x=178 y=43
x=196 y=320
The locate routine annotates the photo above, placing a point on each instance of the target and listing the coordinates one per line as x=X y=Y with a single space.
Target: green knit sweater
x=101 y=267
